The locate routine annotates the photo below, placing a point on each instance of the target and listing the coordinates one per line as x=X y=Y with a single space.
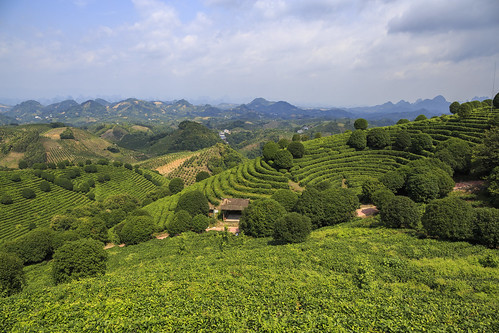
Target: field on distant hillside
x=15 y=218
x=344 y=278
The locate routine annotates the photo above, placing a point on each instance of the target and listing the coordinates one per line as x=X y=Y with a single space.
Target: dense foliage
x=358 y=139
x=176 y=185
x=378 y=138
x=400 y=212
x=193 y=202
x=296 y=148
x=449 y=218
x=258 y=219
x=136 y=229
x=292 y=228
x=79 y=259
x=286 y=198
x=12 y=278
x=360 y=124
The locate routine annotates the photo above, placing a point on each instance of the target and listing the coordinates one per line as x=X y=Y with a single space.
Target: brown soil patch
x=295 y=186
x=11 y=160
x=55 y=133
x=167 y=168
x=366 y=211
x=162 y=236
x=469 y=186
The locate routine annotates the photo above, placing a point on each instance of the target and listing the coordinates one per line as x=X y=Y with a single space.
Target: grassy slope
x=188 y=284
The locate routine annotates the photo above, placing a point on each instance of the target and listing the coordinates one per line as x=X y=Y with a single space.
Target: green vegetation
x=11 y=274
x=346 y=277
x=292 y=228
x=78 y=259
x=260 y=216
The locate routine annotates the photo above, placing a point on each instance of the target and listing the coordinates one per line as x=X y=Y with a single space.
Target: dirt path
x=366 y=211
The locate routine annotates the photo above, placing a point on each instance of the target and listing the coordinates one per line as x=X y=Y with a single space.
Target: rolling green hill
x=330 y=159
x=346 y=278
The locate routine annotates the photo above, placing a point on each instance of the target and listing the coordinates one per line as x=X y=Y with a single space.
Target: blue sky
x=313 y=52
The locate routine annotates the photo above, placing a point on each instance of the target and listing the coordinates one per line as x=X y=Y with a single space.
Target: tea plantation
x=351 y=277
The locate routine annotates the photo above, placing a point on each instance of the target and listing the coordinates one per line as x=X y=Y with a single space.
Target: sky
x=306 y=52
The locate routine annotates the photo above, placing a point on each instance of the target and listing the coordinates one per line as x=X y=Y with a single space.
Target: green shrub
x=33 y=247
x=22 y=164
x=269 y=150
x=45 y=186
x=199 y=223
x=15 y=177
x=61 y=165
x=449 y=218
x=454 y=107
x=193 y=202
x=123 y=201
x=283 y=143
x=79 y=259
x=28 y=193
x=403 y=121
x=176 y=185
x=296 y=148
x=456 y=153
x=103 y=177
x=422 y=187
x=381 y=196
x=103 y=161
x=421 y=142
x=486 y=226
x=420 y=117
x=259 y=217
x=360 y=124
x=378 y=138
x=495 y=102
x=11 y=274
x=64 y=183
x=358 y=140
x=393 y=180
x=92 y=227
x=286 y=198
x=180 y=223
x=61 y=237
x=202 y=175
x=292 y=228
x=403 y=140
x=340 y=205
x=400 y=212
x=6 y=199
x=311 y=204
x=128 y=166
x=39 y=166
x=67 y=134
x=62 y=222
x=283 y=159
x=369 y=186
x=137 y=229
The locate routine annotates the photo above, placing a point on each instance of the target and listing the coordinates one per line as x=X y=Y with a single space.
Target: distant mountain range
x=135 y=110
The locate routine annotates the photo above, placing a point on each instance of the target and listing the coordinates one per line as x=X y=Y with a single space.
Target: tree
x=296 y=137
x=495 y=102
x=23 y=164
x=465 y=110
x=92 y=227
x=270 y=149
x=393 y=180
x=400 y=212
x=181 y=222
x=403 y=140
x=176 y=185
x=449 y=218
x=286 y=198
x=420 y=117
x=199 y=223
x=6 y=199
x=403 y=121
x=62 y=222
x=33 y=247
x=91 y=168
x=421 y=142
x=292 y=228
x=311 y=204
x=456 y=153
x=378 y=138
x=339 y=205
x=297 y=149
x=422 y=187
x=358 y=139
x=202 y=175
x=317 y=135
x=79 y=259
x=193 y=202
x=283 y=143
x=369 y=186
x=454 y=107
x=45 y=186
x=486 y=155
x=137 y=229
x=486 y=226
x=381 y=196
x=124 y=201
x=259 y=217
x=283 y=159
x=360 y=124
x=64 y=182
x=67 y=134
x=11 y=274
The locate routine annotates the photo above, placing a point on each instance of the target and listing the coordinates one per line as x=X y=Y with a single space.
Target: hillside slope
x=344 y=278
